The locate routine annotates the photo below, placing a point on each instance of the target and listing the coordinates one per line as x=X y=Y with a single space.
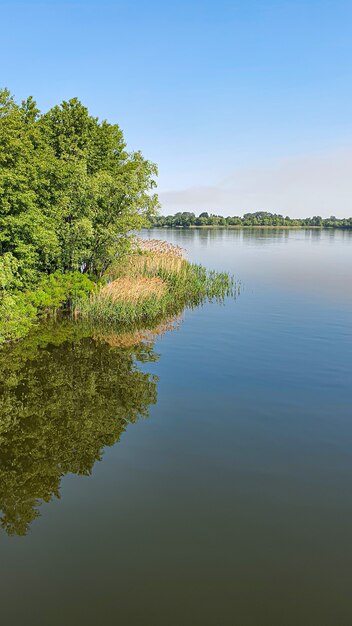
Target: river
x=201 y=478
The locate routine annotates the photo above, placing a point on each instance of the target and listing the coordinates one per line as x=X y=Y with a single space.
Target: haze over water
x=231 y=503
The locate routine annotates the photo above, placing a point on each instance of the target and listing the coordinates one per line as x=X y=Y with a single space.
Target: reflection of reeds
x=142 y=335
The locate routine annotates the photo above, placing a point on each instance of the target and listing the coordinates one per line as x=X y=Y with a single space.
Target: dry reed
x=160 y=247
x=153 y=281
x=137 y=264
x=133 y=289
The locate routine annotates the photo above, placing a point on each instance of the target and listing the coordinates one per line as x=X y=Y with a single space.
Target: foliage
x=17 y=316
x=57 y=290
x=260 y=218
x=69 y=190
x=19 y=310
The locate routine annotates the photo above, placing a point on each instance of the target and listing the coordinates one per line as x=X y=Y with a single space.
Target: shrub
x=17 y=315
x=19 y=310
x=59 y=290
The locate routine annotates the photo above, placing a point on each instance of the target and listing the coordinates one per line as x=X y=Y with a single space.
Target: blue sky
x=244 y=105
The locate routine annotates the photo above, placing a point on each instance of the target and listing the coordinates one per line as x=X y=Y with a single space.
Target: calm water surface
x=231 y=503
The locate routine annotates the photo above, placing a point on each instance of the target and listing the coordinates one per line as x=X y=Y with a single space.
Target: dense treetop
x=69 y=190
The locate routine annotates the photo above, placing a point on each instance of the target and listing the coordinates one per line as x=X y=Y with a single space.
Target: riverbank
x=153 y=281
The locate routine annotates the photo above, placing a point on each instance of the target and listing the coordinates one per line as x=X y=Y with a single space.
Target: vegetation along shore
x=261 y=219
x=71 y=197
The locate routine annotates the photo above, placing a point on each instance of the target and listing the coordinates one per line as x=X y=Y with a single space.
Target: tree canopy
x=69 y=189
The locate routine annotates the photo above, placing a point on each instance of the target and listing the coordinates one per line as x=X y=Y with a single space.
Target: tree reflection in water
x=65 y=394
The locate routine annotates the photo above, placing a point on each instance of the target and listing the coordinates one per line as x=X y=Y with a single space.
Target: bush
x=19 y=310
x=59 y=290
x=17 y=315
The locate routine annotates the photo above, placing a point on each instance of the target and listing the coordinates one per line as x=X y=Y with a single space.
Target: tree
x=27 y=230
x=70 y=193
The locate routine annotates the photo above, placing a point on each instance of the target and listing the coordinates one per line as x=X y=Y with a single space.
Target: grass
x=152 y=283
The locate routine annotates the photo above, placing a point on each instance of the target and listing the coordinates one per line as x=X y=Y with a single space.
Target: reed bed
x=153 y=282
x=146 y=264
x=157 y=246
x=133 y=289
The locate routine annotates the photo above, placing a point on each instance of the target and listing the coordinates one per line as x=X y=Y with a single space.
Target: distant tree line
x=259 y=218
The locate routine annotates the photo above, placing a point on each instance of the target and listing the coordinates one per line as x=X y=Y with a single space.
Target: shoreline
x=240 y=227
x=151 y=283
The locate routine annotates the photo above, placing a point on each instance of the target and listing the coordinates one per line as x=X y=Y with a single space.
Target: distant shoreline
x=260 y=219
x=241 y=227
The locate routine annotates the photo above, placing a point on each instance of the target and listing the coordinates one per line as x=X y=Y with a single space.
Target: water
x=232 y=502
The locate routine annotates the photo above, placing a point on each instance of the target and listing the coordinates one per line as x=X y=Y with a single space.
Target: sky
x=244 y=105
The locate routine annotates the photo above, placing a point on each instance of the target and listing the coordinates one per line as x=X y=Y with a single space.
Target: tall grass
x=133 y=289
x=153 y=282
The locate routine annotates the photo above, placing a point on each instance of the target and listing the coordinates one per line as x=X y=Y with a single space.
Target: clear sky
x=245 y=105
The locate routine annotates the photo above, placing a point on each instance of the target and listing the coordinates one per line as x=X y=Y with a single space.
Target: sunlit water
x=231 y=504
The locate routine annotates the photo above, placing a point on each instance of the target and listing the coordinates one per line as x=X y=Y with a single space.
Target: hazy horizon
x=298 y=187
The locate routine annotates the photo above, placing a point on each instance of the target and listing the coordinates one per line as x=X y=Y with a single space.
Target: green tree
x=27 y=231
x=106 y=192
x=70 y=193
